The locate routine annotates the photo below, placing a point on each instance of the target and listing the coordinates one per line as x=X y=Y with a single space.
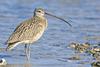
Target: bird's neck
x=40 y=17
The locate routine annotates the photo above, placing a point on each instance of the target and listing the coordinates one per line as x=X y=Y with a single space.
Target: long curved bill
x=58 y=18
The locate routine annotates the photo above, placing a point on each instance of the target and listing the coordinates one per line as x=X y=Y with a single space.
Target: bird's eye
x=39 y=11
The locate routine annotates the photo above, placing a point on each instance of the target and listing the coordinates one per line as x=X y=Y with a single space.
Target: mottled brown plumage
x=29 y=30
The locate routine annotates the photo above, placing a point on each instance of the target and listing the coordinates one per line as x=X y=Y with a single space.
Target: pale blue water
x=51 y=50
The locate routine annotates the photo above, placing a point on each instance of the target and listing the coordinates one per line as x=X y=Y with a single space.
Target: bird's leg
x=27 y=51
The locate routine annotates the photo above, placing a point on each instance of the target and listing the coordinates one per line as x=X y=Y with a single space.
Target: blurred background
x=51 y=50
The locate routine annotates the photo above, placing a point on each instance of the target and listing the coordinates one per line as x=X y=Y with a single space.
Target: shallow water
x=51 y=50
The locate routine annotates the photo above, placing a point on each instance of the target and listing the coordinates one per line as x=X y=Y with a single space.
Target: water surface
x=51 y=50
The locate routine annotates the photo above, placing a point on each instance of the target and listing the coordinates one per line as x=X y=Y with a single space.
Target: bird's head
x=39 y=12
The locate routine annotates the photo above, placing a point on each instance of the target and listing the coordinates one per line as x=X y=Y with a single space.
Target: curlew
x=29 y=31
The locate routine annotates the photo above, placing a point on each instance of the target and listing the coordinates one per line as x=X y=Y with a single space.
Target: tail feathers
x=11 y=46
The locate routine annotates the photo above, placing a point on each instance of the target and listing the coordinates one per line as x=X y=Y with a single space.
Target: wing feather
x=27 y=30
